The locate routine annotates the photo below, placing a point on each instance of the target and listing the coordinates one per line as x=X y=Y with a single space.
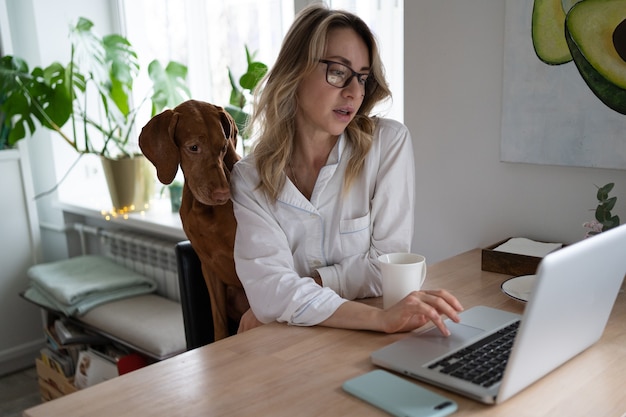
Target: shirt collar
x=290 y=195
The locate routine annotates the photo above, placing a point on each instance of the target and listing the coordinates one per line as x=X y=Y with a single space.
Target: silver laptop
x=567 y=312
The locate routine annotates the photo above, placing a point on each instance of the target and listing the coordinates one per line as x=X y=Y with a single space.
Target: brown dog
x=201 y=138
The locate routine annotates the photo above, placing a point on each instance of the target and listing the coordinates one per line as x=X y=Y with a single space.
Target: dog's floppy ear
x=156 y=141
x=230 y=130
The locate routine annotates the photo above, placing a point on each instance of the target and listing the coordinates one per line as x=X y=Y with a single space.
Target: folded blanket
x=75 y=285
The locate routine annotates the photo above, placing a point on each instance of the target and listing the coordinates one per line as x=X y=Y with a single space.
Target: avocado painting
x=593 y=34
x=564 y=91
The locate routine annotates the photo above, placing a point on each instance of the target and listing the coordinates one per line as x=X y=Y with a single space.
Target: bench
x=149 y=323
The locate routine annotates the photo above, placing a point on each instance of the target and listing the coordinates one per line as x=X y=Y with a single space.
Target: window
x=209 y=37
x=386 y=19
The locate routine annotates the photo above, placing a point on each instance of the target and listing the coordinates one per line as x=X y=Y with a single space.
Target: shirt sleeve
x=264 y=261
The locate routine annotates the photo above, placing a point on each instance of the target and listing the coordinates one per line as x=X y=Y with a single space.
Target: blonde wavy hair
x=276 y=103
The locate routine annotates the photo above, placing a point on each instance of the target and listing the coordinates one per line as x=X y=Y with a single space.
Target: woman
x=327 y=188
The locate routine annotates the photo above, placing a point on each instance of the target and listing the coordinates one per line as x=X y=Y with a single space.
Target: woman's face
x=324 y=109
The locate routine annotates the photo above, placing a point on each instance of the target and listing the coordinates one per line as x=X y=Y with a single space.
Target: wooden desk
x=280 y=370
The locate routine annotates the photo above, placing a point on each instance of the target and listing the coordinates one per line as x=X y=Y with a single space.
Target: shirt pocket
x=355 y=235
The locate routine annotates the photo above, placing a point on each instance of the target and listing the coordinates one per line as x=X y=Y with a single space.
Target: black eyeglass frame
x=369 y=85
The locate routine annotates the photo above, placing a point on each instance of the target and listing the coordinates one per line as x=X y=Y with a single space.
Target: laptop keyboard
x=483 y=362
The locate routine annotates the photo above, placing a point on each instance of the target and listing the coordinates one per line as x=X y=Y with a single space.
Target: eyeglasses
x=340 y=76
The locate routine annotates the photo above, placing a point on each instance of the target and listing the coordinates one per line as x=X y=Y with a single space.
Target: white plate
x=519 y=288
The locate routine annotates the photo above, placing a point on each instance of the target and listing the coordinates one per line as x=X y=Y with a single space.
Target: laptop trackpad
x=461 y=333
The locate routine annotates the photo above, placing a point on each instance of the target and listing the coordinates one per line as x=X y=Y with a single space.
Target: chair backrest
x=194 y=297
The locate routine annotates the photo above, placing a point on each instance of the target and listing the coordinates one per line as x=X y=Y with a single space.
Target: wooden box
x=52 y=383
x=508 y=263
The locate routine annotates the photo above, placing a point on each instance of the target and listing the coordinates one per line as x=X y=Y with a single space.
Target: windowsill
x=158 y=219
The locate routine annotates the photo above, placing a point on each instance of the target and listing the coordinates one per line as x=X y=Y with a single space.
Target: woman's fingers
x=435 y=303
x=444 y=303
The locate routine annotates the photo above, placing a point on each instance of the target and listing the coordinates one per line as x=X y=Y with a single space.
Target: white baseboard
x=20 y=357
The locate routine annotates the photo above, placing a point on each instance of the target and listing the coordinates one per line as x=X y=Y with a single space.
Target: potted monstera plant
x=89 y=103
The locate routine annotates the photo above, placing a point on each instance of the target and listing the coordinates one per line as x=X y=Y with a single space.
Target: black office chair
x=194 y=297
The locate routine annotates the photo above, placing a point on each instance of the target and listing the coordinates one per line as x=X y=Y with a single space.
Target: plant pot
x=130 y=181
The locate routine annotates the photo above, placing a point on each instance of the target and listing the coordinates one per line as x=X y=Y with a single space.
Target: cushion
x=75 y=285
x=149 y=323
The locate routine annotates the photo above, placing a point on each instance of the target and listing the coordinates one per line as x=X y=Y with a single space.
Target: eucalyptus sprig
x=605 y=205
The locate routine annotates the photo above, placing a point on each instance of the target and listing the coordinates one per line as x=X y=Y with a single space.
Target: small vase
x=130 y=181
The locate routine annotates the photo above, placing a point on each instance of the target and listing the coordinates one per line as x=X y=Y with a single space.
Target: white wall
x=467 y=198
x=20 y=322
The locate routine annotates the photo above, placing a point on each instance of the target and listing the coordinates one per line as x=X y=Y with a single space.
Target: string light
x=123 y=212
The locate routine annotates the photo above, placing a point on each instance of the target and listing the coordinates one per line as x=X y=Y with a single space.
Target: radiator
x=150 y=256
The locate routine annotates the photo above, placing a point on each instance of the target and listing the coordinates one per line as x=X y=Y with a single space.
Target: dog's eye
x=194 y=148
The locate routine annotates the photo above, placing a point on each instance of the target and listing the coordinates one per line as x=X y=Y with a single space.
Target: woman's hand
x=410 y=313
x=420 y=307
x=248 y=321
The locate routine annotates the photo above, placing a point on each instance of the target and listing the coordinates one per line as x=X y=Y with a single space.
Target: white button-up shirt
x=280 y=243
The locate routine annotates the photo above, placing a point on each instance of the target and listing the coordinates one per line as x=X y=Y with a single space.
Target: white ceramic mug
x=402 y=273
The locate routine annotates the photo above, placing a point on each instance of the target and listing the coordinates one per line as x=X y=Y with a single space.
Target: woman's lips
x=344 y=113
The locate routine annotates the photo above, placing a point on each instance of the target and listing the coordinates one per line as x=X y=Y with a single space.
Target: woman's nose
x=354 y=89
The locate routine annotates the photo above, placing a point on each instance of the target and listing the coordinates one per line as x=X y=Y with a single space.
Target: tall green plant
x=106 y=66
x=242 y=90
